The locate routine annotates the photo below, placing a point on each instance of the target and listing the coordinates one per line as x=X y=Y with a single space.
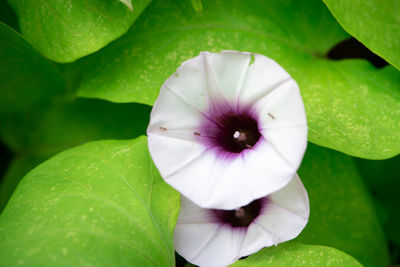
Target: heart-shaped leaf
x=296 y=254
x=69 y=29
x=351 y=106
x=375 y=23
x=98 y=204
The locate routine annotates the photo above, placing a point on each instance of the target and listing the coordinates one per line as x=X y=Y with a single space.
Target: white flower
x=208 y=237
x=228 y=128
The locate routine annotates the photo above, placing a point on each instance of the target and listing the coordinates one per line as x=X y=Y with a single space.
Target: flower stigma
x=243 y=216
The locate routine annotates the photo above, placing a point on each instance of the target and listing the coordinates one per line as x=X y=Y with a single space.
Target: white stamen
x=240 y=213
x=236 y=135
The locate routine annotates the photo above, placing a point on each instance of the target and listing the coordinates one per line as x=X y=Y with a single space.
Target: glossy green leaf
x=67 y=124
x=375 y=23
x=26 y=77
x=296 y=254
x=102 y=203
x=383 y=180
x=354 y=108
x=342 y=215
x=36 y=135
x=69 y=29
x=17 y=169
x=351 y=106
x=134 y=67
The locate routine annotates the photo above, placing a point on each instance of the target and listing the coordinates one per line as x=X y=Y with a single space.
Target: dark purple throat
x=241 y=217
x=232 y=132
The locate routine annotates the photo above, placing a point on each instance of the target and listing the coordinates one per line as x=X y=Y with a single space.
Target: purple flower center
x=234 y=132
x=241 y=217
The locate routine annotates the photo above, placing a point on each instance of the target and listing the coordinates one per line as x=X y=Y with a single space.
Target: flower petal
x=207 y=242
x=222 y=181
x=290 y=143
x=190 y=83
x=282 y=107
x=222 y=249
x=284 y=128
x=283 y=218
x=199 y=234
x=171 y=154
x=175 y=110
x=263 y=76
x=229 y=69
x=211 y=180
x=267 y=170
x=190 y=213
x=205 y=239
x=233 y=188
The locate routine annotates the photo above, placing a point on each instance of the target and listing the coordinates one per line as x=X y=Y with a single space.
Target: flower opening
x=243 y=216
x=228 y=128
x=232 y=132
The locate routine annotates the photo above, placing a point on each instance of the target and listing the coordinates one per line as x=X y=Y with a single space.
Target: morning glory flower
x=228 y=128
x=210 y=237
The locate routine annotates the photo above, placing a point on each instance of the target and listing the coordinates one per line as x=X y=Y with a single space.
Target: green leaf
x=98 y=204
x=71 y=123
x=244 y=25
x=375 y=23
x=17 y=169
x=296 y=254
x=382 y=177
x=7 y=15
x=38 y=134
x=342 y=214
x=354 y=108
x=26 y=78
x=351 y=106
x=66 y=30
